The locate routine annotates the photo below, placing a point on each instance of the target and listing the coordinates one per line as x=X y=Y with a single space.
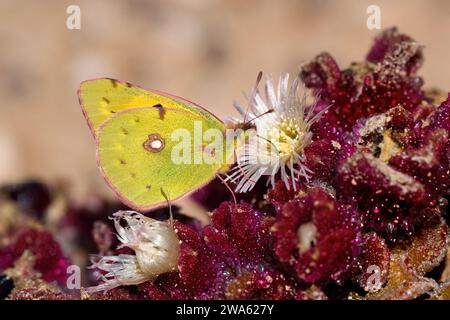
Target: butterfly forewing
x=101 y=99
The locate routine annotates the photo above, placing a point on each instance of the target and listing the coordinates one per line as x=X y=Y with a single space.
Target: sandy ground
x=207 y=51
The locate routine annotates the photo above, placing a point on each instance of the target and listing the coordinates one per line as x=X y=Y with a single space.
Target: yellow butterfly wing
x=141 y=137
x=101 y=98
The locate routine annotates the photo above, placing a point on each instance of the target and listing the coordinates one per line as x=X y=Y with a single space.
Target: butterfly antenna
x=169 y=204
x=253 y=94
x=229 y=189
x=260 y=115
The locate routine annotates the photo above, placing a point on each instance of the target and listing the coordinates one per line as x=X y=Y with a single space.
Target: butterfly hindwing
x=135 y=155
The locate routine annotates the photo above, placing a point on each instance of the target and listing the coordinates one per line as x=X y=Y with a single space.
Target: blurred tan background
x=208 y=51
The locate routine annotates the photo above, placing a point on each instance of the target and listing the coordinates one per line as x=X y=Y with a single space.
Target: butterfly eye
x=154 y=143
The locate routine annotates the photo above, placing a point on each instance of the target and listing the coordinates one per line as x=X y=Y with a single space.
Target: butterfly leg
x=229 y=188
x=169 y=204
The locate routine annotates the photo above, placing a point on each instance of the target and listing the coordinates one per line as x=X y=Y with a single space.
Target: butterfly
x=133 y=130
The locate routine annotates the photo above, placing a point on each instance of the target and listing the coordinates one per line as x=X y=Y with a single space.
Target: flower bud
x=156 y=247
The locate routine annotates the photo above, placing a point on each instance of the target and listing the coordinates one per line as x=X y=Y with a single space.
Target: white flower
x=283 y=121
x=156 y=248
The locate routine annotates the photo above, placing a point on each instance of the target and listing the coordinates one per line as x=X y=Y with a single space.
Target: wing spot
x=124 y=131
x=162 y=111
x=112 y=111
x=104 y=102
x=123 y=162
x=114 y=82
x=148 y=187
x=154 y=143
